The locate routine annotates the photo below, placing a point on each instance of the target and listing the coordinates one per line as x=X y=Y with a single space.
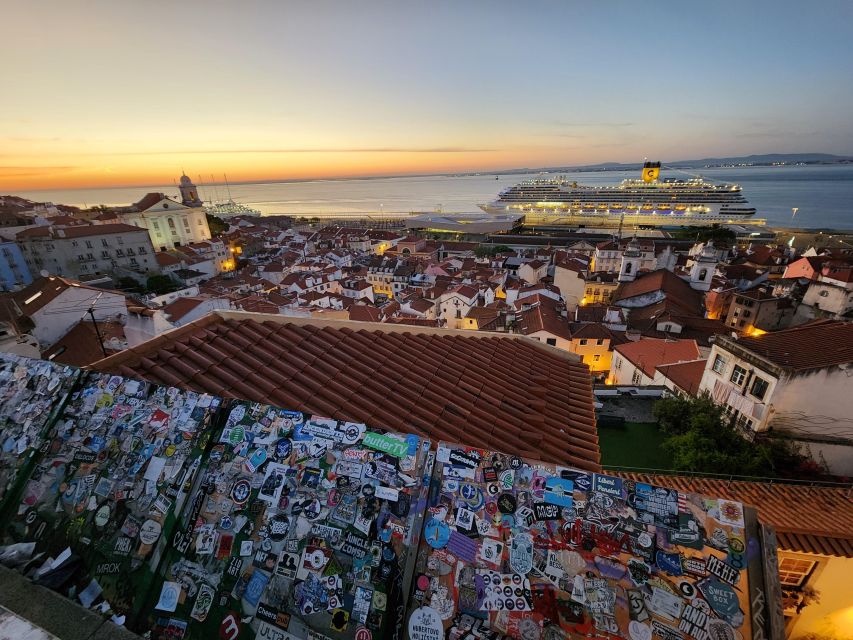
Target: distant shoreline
x=607 y=167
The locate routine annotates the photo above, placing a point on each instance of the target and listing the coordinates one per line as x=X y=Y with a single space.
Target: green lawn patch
x=637 y=444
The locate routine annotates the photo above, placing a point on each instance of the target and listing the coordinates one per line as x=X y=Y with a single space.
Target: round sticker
x=425 y=624
x=237 y=435
x=150 y=531
x=437 y=534
x=363 y=633
x=102 y=516
x=240 y=491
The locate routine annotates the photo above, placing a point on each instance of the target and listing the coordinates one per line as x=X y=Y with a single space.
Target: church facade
x=171 y=223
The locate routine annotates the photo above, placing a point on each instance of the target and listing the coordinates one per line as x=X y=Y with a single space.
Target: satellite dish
x=44 y=273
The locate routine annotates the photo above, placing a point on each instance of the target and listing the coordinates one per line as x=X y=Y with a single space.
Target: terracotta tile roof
x=676 y=289
x=81 y=347
x=82 y=231
x=685 y=375
x=148 y=201
x=649 y=353
x=590 y=331
x=815 y=345
x=542 y=315
x=365 y=313
x=182 y=306
x=807 y=519
x=474 y=388
x=166 y=259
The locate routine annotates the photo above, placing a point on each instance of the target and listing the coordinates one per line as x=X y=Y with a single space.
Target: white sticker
x=639 y=631
x=169 y=596
x=425 y=624
x=387 y=493
x=150 y=532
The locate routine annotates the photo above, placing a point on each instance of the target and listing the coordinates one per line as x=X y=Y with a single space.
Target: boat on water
x=650 y=195
x=229 y=208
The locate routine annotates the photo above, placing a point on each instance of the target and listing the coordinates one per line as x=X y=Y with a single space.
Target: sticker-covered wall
x=183 y=515
x=523 y=549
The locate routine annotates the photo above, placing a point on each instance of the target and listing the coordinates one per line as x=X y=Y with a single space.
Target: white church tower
x=189 y=193
x=704 y=266
x=631 y=258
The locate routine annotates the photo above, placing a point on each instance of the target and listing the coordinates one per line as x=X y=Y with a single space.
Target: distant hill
x=753 y=160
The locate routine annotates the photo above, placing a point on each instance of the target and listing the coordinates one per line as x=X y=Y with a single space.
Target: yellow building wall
x=588 y=352
x=470 y=324
x=832 y=617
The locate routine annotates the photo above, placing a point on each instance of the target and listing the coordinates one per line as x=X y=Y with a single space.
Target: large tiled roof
x=807 y=519
x=474 y=388
x=674 y=287
x=685 y=375
x=819 y=344
x=649 y=353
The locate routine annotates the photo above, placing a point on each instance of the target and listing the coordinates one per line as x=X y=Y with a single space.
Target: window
x=105 y=254
x=703 y=274
x=738 y=374
x=628 y=267
x=104 y=242
x=719 y=365
x=171 y=222
x=637 y=377
x=458 y=314
x=596 y=358
x=759 y=388
x=88 y=244
x=823 y=293
x=599 y=342
x=142 y=251
x=551 y=341
x=746 y=313
x=794 y=572
x=120 y=240
x=73 y=243
x=583 y=342
x=156 y=226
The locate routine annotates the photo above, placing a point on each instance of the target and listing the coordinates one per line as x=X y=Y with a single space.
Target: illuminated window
x=794 y=572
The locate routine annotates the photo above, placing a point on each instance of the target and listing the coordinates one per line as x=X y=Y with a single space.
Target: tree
x=160 y=284
x=130 y=285
x=701 y=438
x=217 y=225
x=490 y=250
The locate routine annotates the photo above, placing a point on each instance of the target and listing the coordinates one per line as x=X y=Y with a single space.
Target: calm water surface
x=823 y=194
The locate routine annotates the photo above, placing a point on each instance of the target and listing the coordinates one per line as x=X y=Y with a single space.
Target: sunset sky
x=129 y=93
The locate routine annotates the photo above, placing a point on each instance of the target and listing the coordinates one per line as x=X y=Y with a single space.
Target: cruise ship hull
x=542 y=216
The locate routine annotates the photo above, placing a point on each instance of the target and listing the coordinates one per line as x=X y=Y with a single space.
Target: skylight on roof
x=32 y=298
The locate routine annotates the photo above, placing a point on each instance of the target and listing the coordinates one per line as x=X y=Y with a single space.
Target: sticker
x=607 y=485
x=102 y=516
x=425 y=624
x=150 y=532
x=559 y=491
x=723 y=600
x=170 y=593
x=546 y=511
x=229 y=629
x=639 y=631
x=386 y=444
x=240 y=491
x=730 y=513
x=255 y=587
x=666 y=604
x=725 y=572
x=507 y=503
x=436 y=533
x=521 y=553
x=203 y=602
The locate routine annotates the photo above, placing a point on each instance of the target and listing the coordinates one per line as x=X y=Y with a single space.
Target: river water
x=822 y=194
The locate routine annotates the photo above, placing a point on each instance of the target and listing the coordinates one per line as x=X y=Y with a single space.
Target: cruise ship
x=649 y=197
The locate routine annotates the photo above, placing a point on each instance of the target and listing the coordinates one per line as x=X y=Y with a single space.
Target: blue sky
x=112 y=92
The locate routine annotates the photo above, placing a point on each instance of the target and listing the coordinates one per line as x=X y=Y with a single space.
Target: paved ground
x=632 y=408
x=51 y=614
x=14 y=627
